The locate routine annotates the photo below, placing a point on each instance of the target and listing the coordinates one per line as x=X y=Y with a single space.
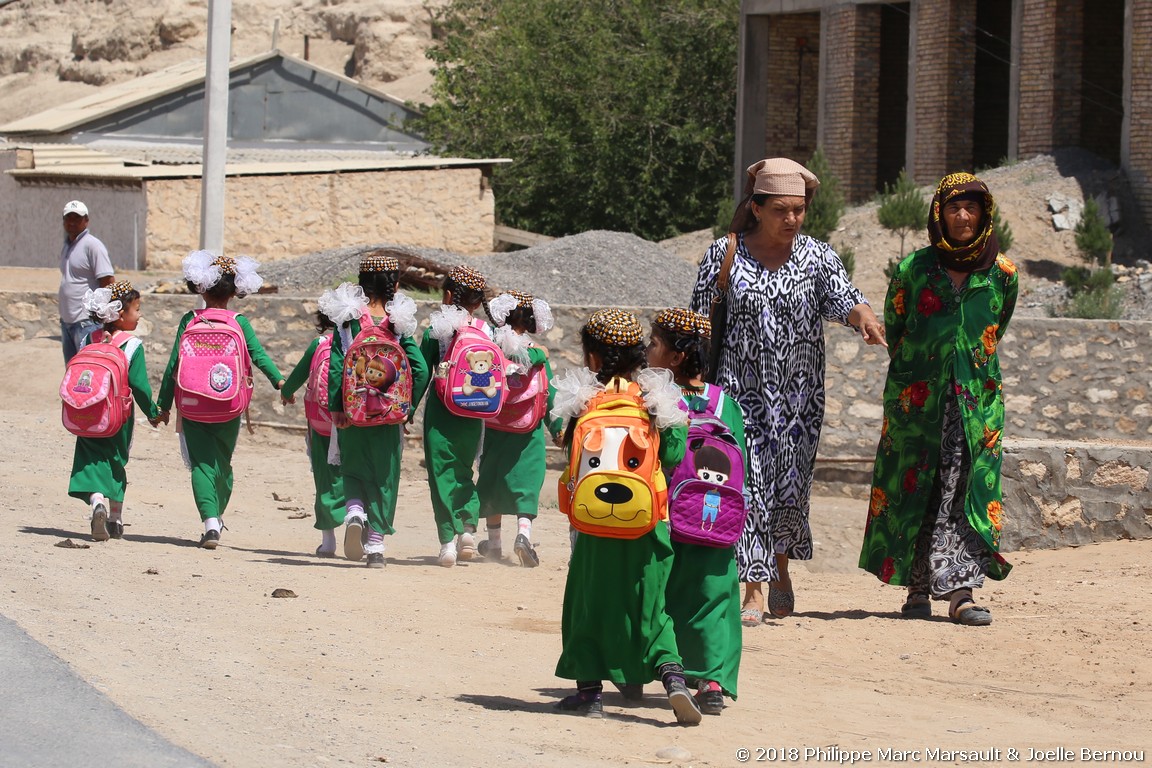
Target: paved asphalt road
x=50 y=718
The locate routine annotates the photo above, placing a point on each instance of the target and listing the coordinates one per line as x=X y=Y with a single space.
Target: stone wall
x=272 y=216
x=1078 y=448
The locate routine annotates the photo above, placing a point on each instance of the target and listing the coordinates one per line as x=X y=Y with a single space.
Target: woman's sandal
x=916 y=607
x=971 y=615
x=781 y=602
x=751 y=617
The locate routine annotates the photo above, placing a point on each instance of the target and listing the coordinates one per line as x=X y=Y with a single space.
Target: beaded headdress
x=467 y=277
x=615 y=327
x=378 y=262
x=680 y=320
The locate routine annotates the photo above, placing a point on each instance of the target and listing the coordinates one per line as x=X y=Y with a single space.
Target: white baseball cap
x=77 y=207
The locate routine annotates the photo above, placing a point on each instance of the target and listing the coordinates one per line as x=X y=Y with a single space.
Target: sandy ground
x=418 y=665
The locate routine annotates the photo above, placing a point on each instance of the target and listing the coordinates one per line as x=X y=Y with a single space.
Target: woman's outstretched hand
x=871 y=329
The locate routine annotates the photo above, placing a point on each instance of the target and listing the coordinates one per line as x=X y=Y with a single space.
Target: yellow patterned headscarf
x=980 y=252
x=374 y=261
x=680 y=320
x=615 y=327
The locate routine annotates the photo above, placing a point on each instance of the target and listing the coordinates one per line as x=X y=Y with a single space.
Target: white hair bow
x=99 y=303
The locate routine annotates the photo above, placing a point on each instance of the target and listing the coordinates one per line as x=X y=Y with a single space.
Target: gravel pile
x=595 y=268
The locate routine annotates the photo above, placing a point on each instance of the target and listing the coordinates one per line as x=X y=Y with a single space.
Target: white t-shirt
x=82 y=264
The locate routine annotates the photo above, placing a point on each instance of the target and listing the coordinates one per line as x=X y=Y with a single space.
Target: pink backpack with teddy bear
x=470 y=381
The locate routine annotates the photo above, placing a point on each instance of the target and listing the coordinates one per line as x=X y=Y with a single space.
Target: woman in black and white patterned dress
x=782 y=286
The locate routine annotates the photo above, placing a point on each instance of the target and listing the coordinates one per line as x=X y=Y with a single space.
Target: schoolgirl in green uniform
x=512 y=464
x=370 y=455
x=208 y=447
x=329 y=505
x=615 y=626
x=98 y=476
x=451 y=442
x=703 y=588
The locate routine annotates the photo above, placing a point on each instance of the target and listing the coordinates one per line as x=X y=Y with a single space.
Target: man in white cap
x=84 y=265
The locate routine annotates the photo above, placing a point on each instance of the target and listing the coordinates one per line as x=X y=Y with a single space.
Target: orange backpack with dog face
x=613 y=486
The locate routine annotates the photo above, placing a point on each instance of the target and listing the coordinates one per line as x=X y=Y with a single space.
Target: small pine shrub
x=902 y=209
x=1093 y=238
x=828 y=202
x=1003 y=231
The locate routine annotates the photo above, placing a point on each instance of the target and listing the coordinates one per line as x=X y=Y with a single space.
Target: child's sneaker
x=448 y=554
x=488 y=551
x=210 y=539
x=99 y=522
x=710 y=698
x=526 y=552
x=116 y=529
x=586 y=704
x=467 y=546
x=354 y=538
x=683 y=704
x=375 y=559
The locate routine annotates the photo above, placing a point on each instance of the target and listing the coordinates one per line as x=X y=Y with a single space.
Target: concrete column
x=215 y=125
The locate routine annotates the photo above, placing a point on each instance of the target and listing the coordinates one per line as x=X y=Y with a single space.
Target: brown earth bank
x=417 y=665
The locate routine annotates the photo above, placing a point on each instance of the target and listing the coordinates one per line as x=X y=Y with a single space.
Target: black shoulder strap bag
x=718 y=314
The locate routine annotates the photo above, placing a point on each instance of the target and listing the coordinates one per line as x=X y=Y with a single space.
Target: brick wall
x=1050 y=74
x=944 y=88
x=1139 y=166
x=793 y=81
x=851 y=96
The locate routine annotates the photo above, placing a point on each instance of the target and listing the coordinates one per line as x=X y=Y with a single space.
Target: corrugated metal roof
x=114 y=98
x=57 y=156
x=171 y=153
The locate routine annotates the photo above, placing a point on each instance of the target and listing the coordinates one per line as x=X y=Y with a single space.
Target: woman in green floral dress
x=935 y=514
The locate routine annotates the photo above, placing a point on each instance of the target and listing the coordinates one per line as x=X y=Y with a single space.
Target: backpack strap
x=715 y=396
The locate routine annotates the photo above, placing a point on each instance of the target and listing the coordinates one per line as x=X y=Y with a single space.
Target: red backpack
x=470 y=381
x=95 y=396
x=316 y=391
x=527 y=401
x=377 y=376
x=214 y=373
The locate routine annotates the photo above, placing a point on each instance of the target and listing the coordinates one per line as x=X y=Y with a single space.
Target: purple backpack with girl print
x=706 y=492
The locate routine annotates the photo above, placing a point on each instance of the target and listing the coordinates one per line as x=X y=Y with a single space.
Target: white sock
x=354 y=508
x=328 y=540
x=375 y=542
x=212 y=524
x=525 y=527
x=493 y=536
x=117 y=511
x=97 y=498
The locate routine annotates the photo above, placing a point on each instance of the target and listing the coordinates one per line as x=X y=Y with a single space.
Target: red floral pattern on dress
x=887 y=570
x=929 y=303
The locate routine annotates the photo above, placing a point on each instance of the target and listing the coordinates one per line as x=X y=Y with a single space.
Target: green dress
x=703 y=593
x=370 y=456
x=210 y=446
x=614 y=625
x=512 y=464
x=98 y=462
x=942 y=344
x=329 y=506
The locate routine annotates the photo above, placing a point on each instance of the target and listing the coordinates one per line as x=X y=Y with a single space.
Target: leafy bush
x=1093 y=238
x=617 y=115
x=902 y=209
x=828 y=202
x=1097 y=304
x=848 y=258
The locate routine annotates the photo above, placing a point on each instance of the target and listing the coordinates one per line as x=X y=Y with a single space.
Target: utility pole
x=215 y=125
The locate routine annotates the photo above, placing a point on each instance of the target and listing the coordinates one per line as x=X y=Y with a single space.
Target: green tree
x=1093 y=238
x=902 y=209
x=1003 y=231
x=617 y=114
x=828 y=202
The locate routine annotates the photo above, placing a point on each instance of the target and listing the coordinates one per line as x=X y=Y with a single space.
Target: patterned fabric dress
x=772 y=363
x=935 y=514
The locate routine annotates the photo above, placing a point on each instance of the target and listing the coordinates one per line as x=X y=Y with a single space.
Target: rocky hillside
x=55 y=50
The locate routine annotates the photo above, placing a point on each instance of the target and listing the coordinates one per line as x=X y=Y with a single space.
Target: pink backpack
x=706 y=492
x=316 y=392
x=96 y=399
x=527 y=401
x=214 y=373
x=470 y=380
x=377 y=377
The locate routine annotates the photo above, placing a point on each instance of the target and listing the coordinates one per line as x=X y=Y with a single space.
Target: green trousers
x=210 y=448
x=370 y=467
x=450 y=445
x=329 y=484
x=511 y=473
